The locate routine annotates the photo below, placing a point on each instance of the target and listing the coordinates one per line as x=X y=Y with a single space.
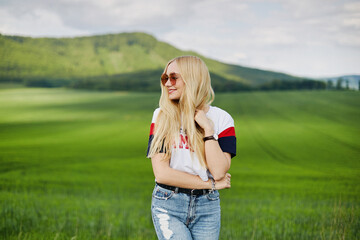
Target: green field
x=73 y=166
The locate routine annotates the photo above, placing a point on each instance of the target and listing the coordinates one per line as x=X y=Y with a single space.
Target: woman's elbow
x=158 y=175
x=160 y=168
x=219 y=174
x=161 y=175
x=160 y=178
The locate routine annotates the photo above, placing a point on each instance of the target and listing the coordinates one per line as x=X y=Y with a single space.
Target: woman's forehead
x=172 y=68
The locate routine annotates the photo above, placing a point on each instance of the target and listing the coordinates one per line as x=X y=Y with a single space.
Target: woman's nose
x=168 y=83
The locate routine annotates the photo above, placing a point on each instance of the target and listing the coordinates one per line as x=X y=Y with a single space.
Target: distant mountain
x=108 y=57
x=353 y=81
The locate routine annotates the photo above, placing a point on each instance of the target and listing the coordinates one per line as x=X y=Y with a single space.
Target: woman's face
x=176 y=90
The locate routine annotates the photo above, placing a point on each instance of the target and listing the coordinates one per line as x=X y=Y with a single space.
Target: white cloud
x=352 y=7
x=102 y=16
x=39 y=22
x=273 y=36
x=352 y=22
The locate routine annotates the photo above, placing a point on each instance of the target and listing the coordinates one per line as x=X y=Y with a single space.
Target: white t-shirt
x=181 y=156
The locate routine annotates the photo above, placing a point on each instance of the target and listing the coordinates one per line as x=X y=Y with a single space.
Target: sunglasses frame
x=173 y=77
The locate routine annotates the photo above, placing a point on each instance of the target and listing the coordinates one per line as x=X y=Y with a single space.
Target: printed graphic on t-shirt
x=184 y=142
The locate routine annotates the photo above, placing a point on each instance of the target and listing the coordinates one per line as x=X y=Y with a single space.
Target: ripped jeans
x=184 y=216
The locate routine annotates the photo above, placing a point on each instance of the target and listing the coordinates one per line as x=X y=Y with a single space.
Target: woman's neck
x=207 y=108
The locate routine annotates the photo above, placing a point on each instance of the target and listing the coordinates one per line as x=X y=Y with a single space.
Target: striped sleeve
x=227 y=138
x=151 y=134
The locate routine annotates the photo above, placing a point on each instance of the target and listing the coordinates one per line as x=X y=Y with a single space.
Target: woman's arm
x=166 y=175
x=217 y=161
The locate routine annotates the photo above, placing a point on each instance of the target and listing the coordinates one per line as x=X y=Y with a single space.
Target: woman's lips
x=171 y=91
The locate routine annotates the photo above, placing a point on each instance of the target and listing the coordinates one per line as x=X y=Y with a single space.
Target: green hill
x=103 y=57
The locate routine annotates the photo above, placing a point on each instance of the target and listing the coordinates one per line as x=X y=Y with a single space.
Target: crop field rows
x=73 y=166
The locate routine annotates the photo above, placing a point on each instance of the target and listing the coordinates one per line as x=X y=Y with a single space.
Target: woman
x=191 y=144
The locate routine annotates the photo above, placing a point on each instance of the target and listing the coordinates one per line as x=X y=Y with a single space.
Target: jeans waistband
x=196 y=192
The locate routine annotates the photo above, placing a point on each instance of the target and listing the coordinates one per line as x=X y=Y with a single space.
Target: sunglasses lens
x=165 y=78
x=173 y=78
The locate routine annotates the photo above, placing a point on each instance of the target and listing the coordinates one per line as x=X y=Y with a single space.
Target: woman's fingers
x=228 y=178
x=225 y=182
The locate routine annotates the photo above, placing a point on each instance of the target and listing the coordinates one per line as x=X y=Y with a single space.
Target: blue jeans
x=184 y=216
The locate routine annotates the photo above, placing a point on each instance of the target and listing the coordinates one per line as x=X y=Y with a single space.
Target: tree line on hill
x=341 y=83
x=149 y=81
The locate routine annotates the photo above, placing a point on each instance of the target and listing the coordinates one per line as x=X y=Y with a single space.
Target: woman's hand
x=204 y=122
x=224 y=182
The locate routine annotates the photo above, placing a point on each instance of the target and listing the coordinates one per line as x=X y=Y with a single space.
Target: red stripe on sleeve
x=227 y=132
x=152 y=129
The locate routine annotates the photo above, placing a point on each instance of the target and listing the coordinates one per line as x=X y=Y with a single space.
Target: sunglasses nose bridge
x=166 y=80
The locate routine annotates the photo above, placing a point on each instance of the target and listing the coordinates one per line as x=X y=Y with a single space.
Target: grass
x=73 y=166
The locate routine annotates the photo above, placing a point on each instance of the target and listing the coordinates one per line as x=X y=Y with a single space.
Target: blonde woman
x=191 y=144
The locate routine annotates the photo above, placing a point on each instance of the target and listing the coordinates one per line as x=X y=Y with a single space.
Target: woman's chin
x=174 y=98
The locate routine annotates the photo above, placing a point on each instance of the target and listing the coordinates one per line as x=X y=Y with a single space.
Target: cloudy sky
x=314 y=38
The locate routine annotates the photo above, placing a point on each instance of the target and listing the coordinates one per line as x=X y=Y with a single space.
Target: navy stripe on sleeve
x=228 y=144
x=149 y=144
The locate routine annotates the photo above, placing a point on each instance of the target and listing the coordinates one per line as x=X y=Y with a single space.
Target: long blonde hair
x=197 y=94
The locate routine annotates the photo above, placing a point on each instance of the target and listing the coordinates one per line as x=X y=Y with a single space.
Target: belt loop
x=192 y=191
x=176 y=190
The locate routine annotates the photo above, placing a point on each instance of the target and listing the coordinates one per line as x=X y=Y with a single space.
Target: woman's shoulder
x=219 y=112
x=157 y=110
x=222 y=120
x=155 y=114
